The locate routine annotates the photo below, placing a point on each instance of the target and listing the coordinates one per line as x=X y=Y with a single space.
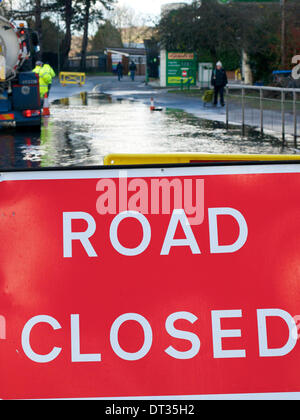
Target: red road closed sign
x=161 y=282
x=184 y=73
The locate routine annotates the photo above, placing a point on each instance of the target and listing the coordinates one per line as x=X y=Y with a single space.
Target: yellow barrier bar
x=151 y=159
x=72 y=78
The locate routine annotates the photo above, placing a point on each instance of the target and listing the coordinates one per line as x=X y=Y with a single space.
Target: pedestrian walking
x=219 y=81
x=120 y=71
x=132 y=69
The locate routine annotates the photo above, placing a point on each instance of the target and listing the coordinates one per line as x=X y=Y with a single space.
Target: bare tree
x=133 y=26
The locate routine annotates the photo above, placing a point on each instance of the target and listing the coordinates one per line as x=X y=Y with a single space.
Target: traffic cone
x=46 y=110
x=152 y=107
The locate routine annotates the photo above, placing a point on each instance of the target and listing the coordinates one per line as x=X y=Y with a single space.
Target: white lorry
x=20 y=101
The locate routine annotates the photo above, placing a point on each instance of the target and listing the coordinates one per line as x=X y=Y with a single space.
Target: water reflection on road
x=83 y=129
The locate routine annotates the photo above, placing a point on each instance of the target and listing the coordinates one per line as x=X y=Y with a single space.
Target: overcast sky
x=149 y=6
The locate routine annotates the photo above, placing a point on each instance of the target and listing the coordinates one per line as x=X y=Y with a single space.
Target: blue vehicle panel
x=23 y=105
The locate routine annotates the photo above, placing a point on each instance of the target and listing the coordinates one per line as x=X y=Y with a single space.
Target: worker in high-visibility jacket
x=48 y=69
x=44 y=78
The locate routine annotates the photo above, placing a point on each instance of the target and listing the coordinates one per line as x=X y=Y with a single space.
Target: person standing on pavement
x=44 y=78
x=219 y=81
x=132 y=69
x=48 y=69
x=120 y=71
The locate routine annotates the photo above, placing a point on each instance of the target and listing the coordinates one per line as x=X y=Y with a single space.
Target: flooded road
x=84 y=129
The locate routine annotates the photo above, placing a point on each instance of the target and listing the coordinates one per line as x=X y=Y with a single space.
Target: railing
x=268 y=108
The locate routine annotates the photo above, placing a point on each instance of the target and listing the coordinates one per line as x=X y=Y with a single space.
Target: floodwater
x=84 y=129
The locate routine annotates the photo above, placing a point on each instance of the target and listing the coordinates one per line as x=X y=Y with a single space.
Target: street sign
x=150 y=282
x=181 y=68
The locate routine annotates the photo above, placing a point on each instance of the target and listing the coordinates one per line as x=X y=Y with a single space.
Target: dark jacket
x=132 y=67
x=219 y=78
x=120 y=68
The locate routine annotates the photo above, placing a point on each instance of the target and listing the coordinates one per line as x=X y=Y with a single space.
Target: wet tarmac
x=85 y=128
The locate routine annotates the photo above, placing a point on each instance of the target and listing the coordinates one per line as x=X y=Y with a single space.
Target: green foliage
x=106 y=36
x=220 y=32
x=210 y=29
x=263 y=45
x=231 y=59
x=51 y=35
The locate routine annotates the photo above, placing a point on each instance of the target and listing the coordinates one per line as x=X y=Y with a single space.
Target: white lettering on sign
x=30 y=353
x=83 y=237
x=218 y=335
x=213 y=231
x=178 y=217
x=264 y=349
x=148 y=337
x=182 y=335
x=75 y=344
x=114 y=233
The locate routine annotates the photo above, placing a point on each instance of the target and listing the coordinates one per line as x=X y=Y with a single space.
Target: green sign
x=181 y=68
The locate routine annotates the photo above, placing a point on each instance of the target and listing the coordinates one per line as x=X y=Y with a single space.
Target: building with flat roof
x=126 y=56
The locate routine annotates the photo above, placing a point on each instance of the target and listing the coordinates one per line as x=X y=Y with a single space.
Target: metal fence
x=267 y=108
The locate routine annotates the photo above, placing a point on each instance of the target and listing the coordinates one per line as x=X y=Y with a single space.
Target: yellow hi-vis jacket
x=48 y=69
x=44 y=80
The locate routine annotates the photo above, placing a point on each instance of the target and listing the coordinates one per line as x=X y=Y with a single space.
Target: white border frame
x=255 y=169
